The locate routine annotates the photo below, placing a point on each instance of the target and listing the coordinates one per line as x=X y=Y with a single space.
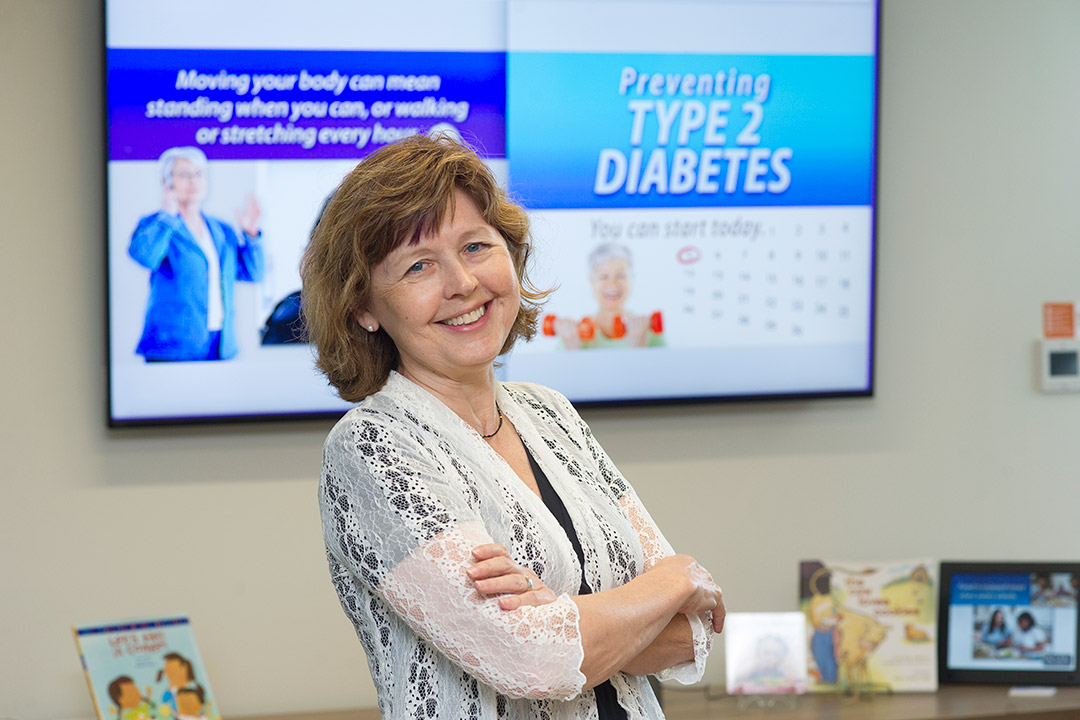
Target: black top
x=607 y=701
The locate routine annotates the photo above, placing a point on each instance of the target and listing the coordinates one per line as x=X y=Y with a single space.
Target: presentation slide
x=1013 y=622
x=700 y=179
x=699 y=175
x=280 y=111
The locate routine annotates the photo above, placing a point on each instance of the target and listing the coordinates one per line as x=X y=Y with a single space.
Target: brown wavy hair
x=396 y=195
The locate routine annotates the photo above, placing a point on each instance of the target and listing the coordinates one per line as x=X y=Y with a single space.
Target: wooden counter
x=954 y=702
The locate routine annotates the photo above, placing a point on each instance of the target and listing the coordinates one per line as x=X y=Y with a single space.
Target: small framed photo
x=765 y=653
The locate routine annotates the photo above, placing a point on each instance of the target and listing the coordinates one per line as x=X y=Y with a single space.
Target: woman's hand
x=637 y=330
x=169 y=204
x=704 y=594
x=496 y=574
x=567 y=331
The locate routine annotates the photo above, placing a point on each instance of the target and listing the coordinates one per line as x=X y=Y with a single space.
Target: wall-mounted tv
x=700 y=176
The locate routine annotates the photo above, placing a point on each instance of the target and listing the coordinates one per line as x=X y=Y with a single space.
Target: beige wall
x=957 y=456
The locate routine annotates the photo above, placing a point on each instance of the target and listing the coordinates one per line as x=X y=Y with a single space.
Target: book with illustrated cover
x=765 y=653
x=870 y=627
x=145 y=670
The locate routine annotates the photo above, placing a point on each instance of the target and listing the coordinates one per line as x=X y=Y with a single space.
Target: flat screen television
x=700 y=178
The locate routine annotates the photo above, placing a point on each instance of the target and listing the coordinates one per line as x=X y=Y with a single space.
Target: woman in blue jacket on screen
x=194 y=262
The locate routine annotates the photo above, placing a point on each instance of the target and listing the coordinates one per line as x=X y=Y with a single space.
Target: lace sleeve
x=654 y=547
x=405 y=525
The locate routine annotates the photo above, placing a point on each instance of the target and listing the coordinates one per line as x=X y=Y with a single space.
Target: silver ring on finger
x=529 y=583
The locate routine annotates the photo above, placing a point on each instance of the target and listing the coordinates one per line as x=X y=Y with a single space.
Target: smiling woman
x=447 y=298
x=492 y=559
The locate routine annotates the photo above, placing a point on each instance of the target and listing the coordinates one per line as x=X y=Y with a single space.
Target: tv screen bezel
x=321 y=416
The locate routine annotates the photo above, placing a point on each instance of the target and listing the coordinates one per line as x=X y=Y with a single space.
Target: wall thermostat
x=1061 y=365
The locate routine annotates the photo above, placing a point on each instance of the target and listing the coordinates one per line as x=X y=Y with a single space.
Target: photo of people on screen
x=612 y=325
x=1054 y=589
x=1013 y=633
x=1042 y=590
x=194 y=262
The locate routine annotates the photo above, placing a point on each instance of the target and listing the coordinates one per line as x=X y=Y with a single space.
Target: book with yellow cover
x=145 y=670
x=871 y=627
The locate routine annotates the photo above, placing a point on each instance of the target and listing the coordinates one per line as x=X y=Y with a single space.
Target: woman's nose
x=461 y=280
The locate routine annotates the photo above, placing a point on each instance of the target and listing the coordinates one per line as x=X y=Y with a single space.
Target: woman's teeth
x=467 y=318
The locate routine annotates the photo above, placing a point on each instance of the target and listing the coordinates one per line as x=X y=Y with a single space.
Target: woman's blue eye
x=417 y=267
x=472 y=247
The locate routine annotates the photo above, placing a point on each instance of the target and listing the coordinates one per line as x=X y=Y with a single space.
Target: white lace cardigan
x=408 y=489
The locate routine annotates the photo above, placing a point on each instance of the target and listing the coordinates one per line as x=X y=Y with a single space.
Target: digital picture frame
x=1009 y=623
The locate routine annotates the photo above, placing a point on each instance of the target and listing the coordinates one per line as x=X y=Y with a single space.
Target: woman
x=1028 y=638
x=491 y=558
x=194 y=261
x=995 y=633
x=610 y=275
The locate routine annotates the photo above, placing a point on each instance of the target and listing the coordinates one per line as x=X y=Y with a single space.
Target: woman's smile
x=468 y=319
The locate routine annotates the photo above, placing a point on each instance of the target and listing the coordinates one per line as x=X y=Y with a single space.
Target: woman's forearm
x=673 y=646
x=639 y=628
x=619 y=625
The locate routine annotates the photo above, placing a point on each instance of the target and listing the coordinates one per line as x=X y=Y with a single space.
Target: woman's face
x=449 y=301
x=997 y=620
x=188 y=182
x=611 y=284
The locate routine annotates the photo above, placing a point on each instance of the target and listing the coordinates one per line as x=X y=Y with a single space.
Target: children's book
x=145 y=670
x=870 y=627
x=765 y=653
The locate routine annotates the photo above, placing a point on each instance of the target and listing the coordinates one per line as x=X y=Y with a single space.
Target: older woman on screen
x=194 y=261
x=489 y=554
x=611 y=274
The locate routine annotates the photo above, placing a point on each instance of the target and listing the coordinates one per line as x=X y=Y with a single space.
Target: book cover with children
x=870 y=627
x=145 y=670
